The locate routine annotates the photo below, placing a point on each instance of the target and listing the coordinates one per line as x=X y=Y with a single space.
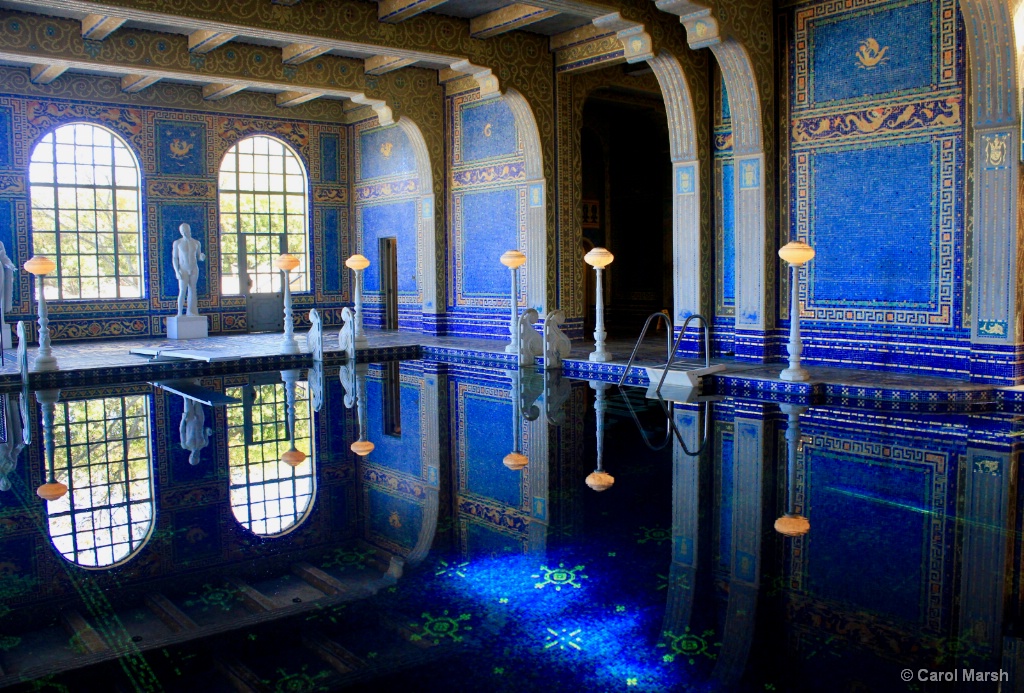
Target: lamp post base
x=795 y=374
x=361 y=342
x=290 y=346
x=600 y=356
x=45 y=363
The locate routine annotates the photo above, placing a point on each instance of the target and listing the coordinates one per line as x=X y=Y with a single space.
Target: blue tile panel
x=860 y=54
x=395 y=220
x=490 y=227
x=487 y=130
x=385 y=152
x=332 y=220
x=866 y=255
x=171 y=217
x=6 y=148
x=392 y=518
x=488 y=438
x=180 y=148
x=728 y=242
x=330 y=158
x=877 y=141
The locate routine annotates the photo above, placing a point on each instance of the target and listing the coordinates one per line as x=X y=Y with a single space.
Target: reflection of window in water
x=267 y=496
x=102 y=451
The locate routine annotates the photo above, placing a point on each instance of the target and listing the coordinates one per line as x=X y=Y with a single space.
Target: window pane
x=74 y=220
x=256 y=177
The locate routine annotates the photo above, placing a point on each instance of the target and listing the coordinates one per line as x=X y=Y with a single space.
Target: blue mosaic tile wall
x=877 y=90
x=386 y=204
x=176 y=187
x=488 y=208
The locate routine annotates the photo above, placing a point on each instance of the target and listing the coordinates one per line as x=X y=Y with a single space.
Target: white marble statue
x=186 y=254
x=195 y=435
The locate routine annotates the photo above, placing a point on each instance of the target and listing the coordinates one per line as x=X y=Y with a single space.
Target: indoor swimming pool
x=221 y=534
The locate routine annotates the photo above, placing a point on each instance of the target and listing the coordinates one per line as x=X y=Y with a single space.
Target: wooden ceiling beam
x=215 y=92
x=394 y=11
x=507 y=19
x=132 y=84
x=205 y=41
x=44 y=74
x=287 y=99
x=383 y=64
x=298 y=53
x=96 y=27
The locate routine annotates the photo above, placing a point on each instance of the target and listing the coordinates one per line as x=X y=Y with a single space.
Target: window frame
x=55 y=280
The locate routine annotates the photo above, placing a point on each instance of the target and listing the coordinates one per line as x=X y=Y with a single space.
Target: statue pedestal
x=188 y=327
x=5 y=335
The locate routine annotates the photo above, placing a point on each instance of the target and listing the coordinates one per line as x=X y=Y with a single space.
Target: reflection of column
x=987 y=526
x=292 y=457
x=52 y=489
x=11 y=448
x=361 y=447
x=430 y=431
x=685 y=525
x=792 y=524
x=744 y=580
x=600 y=480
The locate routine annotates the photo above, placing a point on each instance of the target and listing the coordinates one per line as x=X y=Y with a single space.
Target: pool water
x=187 y=556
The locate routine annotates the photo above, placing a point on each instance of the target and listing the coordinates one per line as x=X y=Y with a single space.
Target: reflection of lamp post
x=40 y=266
x=357 y=263
x=292 y=457
x=361 y=447
x=516 y=460
x=286 y=263
x=52 y=489
x=600 y=480
x=792 y=524
x=599 y=258
x=514 y=259
x=796 y=253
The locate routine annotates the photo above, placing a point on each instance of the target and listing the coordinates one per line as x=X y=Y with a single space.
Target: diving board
x=191 y=390
x=165 y=354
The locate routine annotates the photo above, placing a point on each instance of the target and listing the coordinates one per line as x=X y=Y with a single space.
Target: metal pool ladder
x=681 y=379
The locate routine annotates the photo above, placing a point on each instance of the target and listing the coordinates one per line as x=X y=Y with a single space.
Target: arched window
x=267 y=496
x=102 y=451
x=262 y=214
x=86 y=195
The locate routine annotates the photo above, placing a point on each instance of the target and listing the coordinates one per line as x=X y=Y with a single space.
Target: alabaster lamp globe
x=796 y=253
x=357 y=262
x=362 y=447
x=792 y=525
x=287 y=262
x=516 y=461
x=599 y=258
x=293 y=457
x=51 y=491
x=40 y=265
x=600 y=480
x=513 y=259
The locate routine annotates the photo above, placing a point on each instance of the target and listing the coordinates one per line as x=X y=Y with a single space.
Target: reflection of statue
x=14 y=440
x=186 y=254
x=7 y=287
x=194 y=434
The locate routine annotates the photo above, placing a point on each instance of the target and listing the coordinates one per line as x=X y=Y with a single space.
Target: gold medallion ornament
x=487 y=130
x=871 y=55
x=385 y=149
x=995 y=150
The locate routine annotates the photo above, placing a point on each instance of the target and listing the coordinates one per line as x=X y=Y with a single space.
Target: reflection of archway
x=627 y=203
x=268 y=497
x=104 y=453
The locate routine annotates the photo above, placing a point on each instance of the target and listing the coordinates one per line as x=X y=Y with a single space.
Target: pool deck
x=91 y=362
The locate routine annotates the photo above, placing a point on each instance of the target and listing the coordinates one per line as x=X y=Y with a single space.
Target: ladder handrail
x=643 y=333
x=679 y=339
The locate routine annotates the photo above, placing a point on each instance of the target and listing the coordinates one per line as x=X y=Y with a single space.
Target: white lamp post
x=599 y=479
x=286 y=263
x=792 y=524
x=292 y=457
x=361 y=447
x=40 y=266
x=796 y=253
x=599 y=258
x=514 y=259
x=357 y=263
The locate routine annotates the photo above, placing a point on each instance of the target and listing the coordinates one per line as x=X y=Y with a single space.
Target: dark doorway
x=389 y=281
x=627 y=206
